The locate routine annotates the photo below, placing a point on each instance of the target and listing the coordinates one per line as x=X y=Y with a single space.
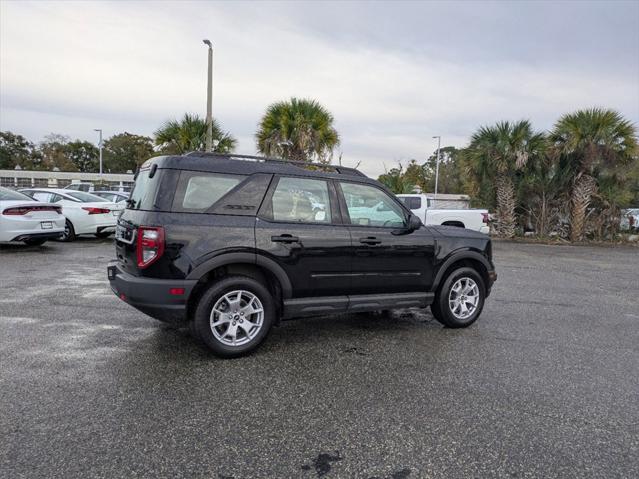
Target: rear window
x=142 y=195
x=412 y=203
x=10 y=195
x=84 y=197
x=198 y=191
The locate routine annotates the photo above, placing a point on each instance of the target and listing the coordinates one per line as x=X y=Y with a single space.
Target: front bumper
x=151 y=296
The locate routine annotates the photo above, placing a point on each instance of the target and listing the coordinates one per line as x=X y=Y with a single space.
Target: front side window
x=301 y=200
x=370 y=206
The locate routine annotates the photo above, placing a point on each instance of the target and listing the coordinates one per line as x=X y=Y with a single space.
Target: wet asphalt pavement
x=545 y=384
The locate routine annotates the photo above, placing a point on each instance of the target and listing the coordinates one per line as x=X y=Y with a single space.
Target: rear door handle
x=285 y=238
x=371 y=240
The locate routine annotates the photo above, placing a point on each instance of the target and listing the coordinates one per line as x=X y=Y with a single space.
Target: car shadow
x=176 y=344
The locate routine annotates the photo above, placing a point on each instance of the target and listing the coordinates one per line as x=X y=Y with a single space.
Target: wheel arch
x=459 y=259
x=258 y=267
x=456 y=223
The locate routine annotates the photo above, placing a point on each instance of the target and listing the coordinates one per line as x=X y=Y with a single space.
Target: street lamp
x=439 y=144
x=100 y=146
x=209 y=100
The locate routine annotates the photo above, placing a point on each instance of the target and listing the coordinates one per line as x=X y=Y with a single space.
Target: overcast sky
x=393 y=74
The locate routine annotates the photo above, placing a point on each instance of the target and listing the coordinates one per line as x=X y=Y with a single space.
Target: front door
x=386 y=258
x=299 y=227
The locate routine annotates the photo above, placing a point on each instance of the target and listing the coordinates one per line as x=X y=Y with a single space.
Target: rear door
x=299 y=227
x=385 y=257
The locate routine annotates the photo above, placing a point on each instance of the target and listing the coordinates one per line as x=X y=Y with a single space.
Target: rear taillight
x=23 y=210
x=150 y=244
x=484 y=218
x=96 y=211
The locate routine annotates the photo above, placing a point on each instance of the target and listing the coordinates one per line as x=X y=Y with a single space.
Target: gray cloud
x=394 y=74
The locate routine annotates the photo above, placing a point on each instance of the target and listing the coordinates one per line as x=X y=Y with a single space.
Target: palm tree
x=396 y=180
x=176 y=137
x=595 y=144
x=498 y=152
x=299 y=130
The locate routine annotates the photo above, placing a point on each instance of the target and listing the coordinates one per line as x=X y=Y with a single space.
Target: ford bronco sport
x=231 y=244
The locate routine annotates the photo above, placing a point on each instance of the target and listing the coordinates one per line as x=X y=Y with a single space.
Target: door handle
x=285 y=238
x=370 y=240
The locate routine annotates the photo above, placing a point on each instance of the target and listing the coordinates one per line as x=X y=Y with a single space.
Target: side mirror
x=414 y=223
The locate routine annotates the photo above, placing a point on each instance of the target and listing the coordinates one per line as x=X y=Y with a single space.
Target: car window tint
x=198 y=191
x=301 y=200
x=85 y=197
x=41 y=196
x=56 y=198
x=7 y=195
x=370 y=206
x=411 y=202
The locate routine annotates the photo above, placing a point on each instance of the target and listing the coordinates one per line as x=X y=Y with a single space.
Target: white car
x=473 y=219
x=114 y=196
x=630 y=219
x=85 y=213
x=23 y=219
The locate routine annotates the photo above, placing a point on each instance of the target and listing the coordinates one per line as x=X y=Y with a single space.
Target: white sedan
x=85 y=213
x=23 y=219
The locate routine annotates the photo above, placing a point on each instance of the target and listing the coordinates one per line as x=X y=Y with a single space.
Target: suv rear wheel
x=234 y=316
x=460 y=299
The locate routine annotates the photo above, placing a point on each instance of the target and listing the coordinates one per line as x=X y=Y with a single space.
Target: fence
x=60 y=179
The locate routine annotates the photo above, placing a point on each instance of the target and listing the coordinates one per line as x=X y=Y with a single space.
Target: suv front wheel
x=460 y=299
x=234 y=316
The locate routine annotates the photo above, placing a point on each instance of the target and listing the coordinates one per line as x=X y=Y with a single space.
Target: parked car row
x=35 y=215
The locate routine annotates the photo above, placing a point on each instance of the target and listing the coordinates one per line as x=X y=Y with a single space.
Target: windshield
x=85 y=197
x=10 y=195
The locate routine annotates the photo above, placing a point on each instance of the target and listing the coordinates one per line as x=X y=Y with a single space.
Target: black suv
x=231 y=244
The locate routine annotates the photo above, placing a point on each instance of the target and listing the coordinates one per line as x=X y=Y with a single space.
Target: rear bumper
x=27 y=236
x=151 y=296
x=19 y=228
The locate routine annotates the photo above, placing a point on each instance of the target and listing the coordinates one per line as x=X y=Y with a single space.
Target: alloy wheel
x=463 y=298
x=237 y=317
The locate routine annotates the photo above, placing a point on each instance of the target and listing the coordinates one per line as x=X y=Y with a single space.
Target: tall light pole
x=100 y=147
x=439 y=144
x=209 y=100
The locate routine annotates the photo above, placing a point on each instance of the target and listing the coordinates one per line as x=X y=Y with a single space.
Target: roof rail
x=342 y=170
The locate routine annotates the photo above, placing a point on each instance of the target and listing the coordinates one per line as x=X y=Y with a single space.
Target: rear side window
x=41 y=196
x=198 y=191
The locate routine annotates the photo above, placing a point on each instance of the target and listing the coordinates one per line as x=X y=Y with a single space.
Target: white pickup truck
x=420 y=205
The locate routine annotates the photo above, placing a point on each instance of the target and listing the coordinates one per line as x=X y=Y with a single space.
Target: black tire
x=441 y=308
x=201 y=318
x=69 y=232
x=103 y=234
x=35 y=241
